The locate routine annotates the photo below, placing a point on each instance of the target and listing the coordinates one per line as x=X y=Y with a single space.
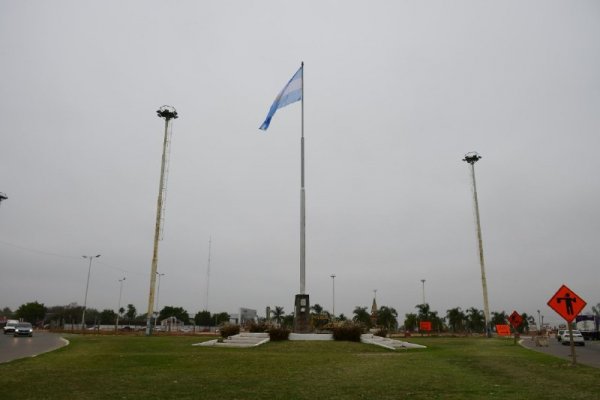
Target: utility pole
x=472 y=158
x=423 y=282
x=168 y=113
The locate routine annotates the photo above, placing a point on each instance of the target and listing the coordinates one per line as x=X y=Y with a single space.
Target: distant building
x=374 y=312
x=171 y=324
x=245 y=315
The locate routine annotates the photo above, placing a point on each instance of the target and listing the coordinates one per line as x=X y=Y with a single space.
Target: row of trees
x=456 y=320
x=39 y=314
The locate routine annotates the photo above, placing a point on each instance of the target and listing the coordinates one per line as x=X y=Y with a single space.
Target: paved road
x=12 y=348
x=587 y=355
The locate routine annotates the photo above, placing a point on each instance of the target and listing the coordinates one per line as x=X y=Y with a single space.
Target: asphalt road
x=586 y=355
x=12 y=348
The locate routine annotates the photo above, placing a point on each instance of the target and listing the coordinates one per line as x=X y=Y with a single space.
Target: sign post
x=568 y=304
x=503 y=330
x=515 y=320
x=425 y=326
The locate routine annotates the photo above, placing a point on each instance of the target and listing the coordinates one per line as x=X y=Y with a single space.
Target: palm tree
x=456 y=319
x=424 y=311
x=131 y=313
x=362 y=316
x=317 y=309
x=475 y=320
x=387 y=317
x=278 y=314
x=498 y=318
x=410 y=322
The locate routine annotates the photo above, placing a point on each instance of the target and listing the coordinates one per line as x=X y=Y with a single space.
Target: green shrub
x=258 y=327
x=278 y=333
x=229 y=330
x=348 y=331
x=381 y=332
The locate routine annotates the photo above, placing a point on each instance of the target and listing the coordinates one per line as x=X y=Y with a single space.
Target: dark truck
x=589 y=334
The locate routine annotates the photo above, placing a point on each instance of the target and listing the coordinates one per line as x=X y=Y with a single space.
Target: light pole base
x=302 y=314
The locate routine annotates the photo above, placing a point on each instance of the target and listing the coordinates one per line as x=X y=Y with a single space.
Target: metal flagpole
x=301 y=302
x=302 y=201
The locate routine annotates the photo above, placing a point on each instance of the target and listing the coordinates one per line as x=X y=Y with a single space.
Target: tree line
x=57 y=316
x=456 y=320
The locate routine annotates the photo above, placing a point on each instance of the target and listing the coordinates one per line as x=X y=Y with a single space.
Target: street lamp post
x=471 y=158
x=333 y=294
x=157 y=295
x=87 y=285
x=423 y=282
x=119 y=305
x=168 y=113
x=539 y=322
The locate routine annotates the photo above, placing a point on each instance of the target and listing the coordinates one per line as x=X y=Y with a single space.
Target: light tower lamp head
x=472 y=157
x=167 y=112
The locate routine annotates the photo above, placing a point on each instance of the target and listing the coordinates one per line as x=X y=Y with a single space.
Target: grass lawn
x=128 y=367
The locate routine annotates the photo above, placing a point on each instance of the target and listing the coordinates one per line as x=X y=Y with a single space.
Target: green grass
x=125 y=367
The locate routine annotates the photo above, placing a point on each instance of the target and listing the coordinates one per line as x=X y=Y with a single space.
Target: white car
x=577 y=338
x=10 y=326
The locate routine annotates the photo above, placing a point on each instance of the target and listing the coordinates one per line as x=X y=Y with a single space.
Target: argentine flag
x=291 y=93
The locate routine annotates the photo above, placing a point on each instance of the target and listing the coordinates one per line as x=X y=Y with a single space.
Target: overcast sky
x=396 y=92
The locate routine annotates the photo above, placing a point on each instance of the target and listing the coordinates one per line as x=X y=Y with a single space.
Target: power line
x=48 y=253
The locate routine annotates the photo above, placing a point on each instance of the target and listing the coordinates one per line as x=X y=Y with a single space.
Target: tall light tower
x=168 y=113
x=119 y=305
x=333 y=294
x=472 y=158
x=423 y=282
x=87 y=285
x=157 y=296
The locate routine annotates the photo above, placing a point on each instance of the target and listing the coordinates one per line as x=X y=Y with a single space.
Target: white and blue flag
x=291 y=93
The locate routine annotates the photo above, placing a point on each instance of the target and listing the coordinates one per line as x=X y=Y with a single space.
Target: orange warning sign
x=515 y=319
x=425 y=326
x=567 y=303
x=503 y=330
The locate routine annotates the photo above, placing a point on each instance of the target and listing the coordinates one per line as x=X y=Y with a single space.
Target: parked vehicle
x=560 y=333
x=23 y=329
x=10 y=326
x=577 y=338
x=591 y=335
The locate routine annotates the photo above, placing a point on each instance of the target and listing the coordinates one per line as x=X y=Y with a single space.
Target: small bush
x=277 y=334
x=381 y=332
x=348 y=331
x=229 y=330
x=258 y=327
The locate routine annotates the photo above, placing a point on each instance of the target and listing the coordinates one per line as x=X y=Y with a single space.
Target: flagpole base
x=302 y=314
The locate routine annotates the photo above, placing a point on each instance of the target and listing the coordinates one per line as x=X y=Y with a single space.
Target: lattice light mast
x=472 y=158
x=168 y=113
